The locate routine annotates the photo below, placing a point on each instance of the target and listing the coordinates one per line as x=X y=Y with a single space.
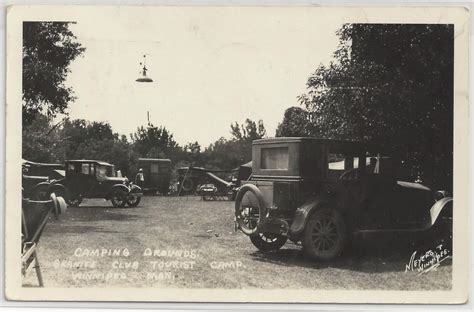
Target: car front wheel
x=119 y=198
x=324 y=235
x=268 y=241
x=74 y=201
x=133 y=200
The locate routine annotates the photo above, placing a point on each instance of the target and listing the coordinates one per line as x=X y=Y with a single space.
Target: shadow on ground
x=387 y=253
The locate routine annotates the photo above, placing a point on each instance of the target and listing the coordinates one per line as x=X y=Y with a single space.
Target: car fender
x=135 y=189
x=40 y=185
x=439 y=207
x=303 y=213
x=60 y=190
x=120 y=187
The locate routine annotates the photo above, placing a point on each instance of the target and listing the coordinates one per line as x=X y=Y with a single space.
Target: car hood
x=115 y=179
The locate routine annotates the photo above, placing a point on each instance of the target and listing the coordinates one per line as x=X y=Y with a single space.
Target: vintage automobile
x=34 y=173
x=321 y=192
x=208 y=191
x=157 y=173
x=92 y=179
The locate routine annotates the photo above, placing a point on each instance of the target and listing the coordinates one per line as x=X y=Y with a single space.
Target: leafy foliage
x=48 y=50
x=390 y=84
x=153 y=142
x=296 y=123
x=227 y=154
x=249 y=131
x=42 y=141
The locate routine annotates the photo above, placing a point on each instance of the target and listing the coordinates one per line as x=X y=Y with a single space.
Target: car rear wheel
x=324 y=235
x=119 y=198
x=133 y=200
x=268 y=241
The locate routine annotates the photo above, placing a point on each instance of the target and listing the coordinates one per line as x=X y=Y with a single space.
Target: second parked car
x=321 y=192
x=92 y=179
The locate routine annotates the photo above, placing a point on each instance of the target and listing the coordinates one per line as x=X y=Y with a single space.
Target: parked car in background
x=157 y=174
x=321 y=192
x=34 y=173
x=93 y=179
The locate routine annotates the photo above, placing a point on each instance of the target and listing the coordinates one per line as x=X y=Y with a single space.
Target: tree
x=249 y=131
x=228 y=154
x=96 y=140
x=154 y=142
x=296 y=123
x=48 y=50
x=42 y=142
x=390 y=84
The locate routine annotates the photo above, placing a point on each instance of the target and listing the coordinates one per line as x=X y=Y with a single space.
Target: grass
x=174 y=224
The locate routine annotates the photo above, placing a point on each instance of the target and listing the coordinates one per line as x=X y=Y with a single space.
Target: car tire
x=60 y=192
x=268 y=242
x=443 y=234
x=42 y=192
x=133 y=200
x=118 y=198
x=74 y=201
x=187 y=186
x=246 y=217
x=325 y=235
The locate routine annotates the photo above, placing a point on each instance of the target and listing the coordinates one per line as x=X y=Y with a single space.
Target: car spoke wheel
x=119 y=198
x=133 y=200
x=247 y=218
x=188 y=185
x=324 y=235
x=268 y=241
x=249 y=203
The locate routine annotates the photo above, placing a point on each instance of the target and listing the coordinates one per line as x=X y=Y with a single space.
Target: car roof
x=89 y=161
x=32 y=163
x=330 y=142
x=155 y=159
x=301 y=139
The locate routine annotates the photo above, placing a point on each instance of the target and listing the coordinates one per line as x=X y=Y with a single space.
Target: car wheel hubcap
x=248 y=217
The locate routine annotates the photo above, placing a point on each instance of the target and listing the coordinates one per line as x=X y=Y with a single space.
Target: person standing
x=140 y=178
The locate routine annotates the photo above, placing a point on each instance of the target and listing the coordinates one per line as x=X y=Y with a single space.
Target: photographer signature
x=427 y=261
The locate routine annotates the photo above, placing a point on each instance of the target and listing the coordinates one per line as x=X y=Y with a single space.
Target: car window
x=340 y=165
x=276 y=158
x=154 y=168
x=70 y=167
x=101 y=171
x=85 y=169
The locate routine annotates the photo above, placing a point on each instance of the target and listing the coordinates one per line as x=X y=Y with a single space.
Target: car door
x=85 y=180
x=380 y=204
x=101 y=183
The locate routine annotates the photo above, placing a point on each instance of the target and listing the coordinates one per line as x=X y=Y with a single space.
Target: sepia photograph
x=224 y=153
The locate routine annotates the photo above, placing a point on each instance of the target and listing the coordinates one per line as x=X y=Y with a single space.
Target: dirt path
x=186 y=242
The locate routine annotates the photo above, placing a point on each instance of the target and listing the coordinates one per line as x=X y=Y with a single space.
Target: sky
x=211 y=66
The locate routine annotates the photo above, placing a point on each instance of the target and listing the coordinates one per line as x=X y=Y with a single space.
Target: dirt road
x=186 y=242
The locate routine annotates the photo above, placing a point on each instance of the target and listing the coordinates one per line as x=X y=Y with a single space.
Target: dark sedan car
x=321 y=192
x=93 y=179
